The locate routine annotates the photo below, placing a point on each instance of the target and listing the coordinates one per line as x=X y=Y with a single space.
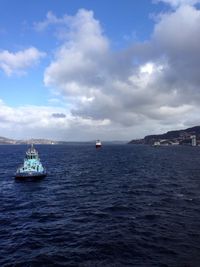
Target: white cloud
x=78 y=62
x=177 y=3
x=45 y=122
x=58 y=124
x=18 y=62
x=51 y=19
x=159 y=92
x=149 y=87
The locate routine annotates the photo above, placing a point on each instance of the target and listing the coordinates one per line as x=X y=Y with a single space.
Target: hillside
x=181 y=136
x=8 y=141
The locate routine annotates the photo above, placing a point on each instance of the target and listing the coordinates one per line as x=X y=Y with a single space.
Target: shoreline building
x=194 y=140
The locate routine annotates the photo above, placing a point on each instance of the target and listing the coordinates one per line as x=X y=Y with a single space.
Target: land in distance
x=178 y=137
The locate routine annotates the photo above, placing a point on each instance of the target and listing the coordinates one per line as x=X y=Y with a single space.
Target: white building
x=194 y=140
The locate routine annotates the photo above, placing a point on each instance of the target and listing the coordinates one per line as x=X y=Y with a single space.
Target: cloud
x=151 y=86
x=51 y=19
x=107 y=85
x=38 y=122
x=46 y=122
x=78 y=64
x=177 y=3
x=17 y=63
x=181 y=51
x=58 y=115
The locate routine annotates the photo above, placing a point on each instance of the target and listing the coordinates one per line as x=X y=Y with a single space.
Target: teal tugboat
x=32 y=167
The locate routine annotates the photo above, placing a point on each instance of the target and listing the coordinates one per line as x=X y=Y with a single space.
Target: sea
x=121 y=205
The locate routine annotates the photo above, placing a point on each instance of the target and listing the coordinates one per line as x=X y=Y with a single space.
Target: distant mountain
x=8 y=141
x=175 y=136
x=4 y=140
x=40 y=141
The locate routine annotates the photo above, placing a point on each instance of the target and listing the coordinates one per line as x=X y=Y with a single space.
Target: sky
x=80 y=70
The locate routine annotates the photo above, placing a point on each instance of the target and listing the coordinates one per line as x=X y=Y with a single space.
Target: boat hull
x=98 y=146
x=30 y=176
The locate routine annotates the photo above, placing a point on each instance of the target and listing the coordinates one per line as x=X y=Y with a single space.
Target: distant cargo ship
x=32 y=167
x=98 y=144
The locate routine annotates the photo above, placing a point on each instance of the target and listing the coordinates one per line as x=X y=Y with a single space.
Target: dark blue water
x=122 y=205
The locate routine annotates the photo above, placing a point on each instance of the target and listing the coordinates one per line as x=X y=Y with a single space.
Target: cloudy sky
x=80 y=70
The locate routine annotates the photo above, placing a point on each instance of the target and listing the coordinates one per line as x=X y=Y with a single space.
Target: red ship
x=98 y=144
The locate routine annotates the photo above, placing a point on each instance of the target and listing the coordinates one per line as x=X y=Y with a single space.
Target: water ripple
x=119 y=206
